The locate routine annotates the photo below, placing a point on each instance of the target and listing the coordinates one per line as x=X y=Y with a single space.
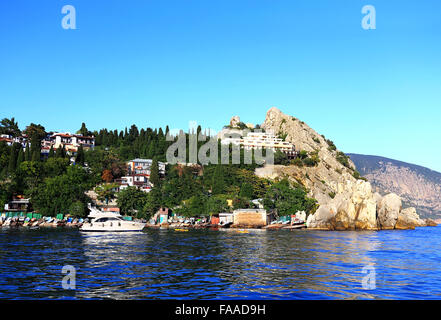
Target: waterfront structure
x=163 y=215
x=250 y=217
x=225 y=218
x=18 y=204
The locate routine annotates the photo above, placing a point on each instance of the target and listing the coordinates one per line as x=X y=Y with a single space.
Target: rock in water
x=409 y=219
x=353 y=209
x=388 y=211
x=431 y=223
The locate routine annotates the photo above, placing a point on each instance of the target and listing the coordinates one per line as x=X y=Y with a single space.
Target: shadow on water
x=225 y=264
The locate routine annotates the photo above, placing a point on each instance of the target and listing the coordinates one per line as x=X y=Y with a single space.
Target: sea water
x=224 y=264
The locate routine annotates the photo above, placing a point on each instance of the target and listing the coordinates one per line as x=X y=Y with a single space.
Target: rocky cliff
x=417 y=186
x=346 y=201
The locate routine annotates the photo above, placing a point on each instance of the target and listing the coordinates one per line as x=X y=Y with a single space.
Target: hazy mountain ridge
x=418 y=186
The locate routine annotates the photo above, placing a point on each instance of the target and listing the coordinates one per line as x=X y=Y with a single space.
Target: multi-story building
x=71 y=142
x=262 y=140
x=142 y=167
x=139 y=174
x=7 y=138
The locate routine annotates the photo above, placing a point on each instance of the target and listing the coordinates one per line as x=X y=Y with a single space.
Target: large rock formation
x=388 y=211
x=345 y=201
x=417 y=186
x=409 y=219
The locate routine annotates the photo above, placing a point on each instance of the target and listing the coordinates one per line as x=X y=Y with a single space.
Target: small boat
x=242 y=231
x=181 y=230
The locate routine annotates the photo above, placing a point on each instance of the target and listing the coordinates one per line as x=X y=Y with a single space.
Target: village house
x=139 y=174
x=71 y=142
x=18 y=204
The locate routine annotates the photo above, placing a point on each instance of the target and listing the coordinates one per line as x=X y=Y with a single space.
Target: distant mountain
x=418 y=186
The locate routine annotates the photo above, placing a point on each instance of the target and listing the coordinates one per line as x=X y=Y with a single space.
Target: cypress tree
x=51 y=152
x=80 y=156
x=20 y=157
x=12 y=159
x=59 y=152
x=218 y=183
x=154 y=172
x=28 y=156
x=35 y=148
x=83 y=130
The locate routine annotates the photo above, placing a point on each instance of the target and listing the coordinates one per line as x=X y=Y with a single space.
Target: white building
x=139 y=174
x=71 y=142
x=260 y=140
x=142 y=167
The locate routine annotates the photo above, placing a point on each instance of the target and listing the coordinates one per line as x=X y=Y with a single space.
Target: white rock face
x=352 y=209
x=345 y=203
x=234 y=122
x=389 y=208
x=409 y=219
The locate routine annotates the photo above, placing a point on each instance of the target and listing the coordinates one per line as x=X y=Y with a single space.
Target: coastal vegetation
x=60 y=181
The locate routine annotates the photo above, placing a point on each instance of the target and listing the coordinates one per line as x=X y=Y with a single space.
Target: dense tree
x=106 y=192
x=57 y=194
x=9 y=127
x=246 y=191
x=285 y=200
x=131 y=200
x=217 y=204
x=107 y=176
x=152 y=204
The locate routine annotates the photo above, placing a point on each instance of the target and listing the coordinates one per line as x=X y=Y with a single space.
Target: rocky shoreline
x=345 y=199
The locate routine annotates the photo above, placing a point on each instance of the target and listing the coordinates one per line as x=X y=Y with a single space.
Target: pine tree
x=154 y=172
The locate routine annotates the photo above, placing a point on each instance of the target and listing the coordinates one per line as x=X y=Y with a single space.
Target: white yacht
x=109 y=221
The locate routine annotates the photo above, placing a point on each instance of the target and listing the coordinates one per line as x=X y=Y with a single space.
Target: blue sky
x=156 y=62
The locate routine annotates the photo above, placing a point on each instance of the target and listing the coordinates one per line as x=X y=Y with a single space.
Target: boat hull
x=130 y=227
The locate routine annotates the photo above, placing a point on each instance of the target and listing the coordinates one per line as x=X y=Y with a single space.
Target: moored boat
x=109 y=222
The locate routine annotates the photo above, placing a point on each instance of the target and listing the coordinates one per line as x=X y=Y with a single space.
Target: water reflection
x=206 y=264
